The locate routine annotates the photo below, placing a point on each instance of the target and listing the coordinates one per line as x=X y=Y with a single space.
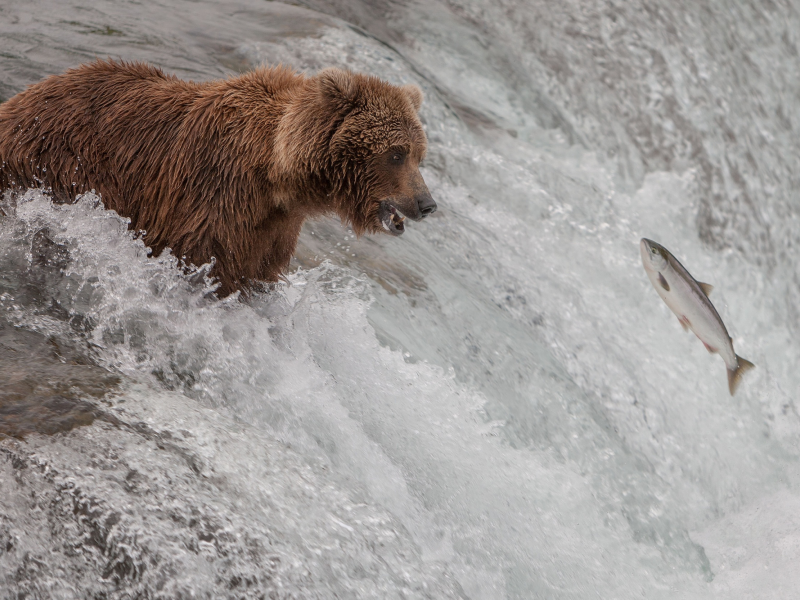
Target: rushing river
x=497 y=404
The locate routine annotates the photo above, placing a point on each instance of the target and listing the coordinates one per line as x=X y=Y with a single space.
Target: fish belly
x=683 y=301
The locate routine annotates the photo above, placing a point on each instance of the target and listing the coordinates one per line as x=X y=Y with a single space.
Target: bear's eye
x=397 y=157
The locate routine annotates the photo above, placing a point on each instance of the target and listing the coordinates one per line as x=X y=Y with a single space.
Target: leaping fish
x=688 y=299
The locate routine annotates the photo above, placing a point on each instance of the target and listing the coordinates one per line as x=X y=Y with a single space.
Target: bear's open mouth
x=392 y=219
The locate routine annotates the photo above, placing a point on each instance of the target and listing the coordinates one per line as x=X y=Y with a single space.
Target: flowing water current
x=497 y=404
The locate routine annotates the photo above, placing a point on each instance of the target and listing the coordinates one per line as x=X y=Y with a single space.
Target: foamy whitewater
x=497 y=404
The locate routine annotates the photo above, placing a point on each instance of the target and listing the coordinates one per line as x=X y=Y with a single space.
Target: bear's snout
x=419 y=198
x=425 y=203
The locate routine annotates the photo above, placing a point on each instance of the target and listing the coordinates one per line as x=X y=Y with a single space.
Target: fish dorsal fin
x=706 y=287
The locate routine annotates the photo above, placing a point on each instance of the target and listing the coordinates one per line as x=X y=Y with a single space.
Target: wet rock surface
x=126 y=510
x=60 y=535
x=45 y=386
x=59 y=538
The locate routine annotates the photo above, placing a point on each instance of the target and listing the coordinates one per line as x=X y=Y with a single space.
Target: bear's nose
x=426 y=204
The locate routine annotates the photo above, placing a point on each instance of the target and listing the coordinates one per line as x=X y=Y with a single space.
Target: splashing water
x=496 y=405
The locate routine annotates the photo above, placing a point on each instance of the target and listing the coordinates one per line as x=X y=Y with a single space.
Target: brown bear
x=226 y=169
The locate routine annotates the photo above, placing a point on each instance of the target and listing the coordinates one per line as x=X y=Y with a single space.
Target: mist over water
x=495 y=405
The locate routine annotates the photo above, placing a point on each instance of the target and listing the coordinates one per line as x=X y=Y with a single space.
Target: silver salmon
x=688 y=299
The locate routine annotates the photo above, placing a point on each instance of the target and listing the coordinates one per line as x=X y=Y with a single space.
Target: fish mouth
x=645 y=248
x=391 y=218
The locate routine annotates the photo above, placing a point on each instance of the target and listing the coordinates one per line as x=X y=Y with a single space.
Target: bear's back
x=85 y=128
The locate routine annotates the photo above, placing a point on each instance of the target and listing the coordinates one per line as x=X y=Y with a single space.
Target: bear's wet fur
x=227 y=169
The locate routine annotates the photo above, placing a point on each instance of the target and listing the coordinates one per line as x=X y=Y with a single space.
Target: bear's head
x=362 y=136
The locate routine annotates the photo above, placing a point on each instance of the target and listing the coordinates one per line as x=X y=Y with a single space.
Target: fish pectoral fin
x=706 y=287
x=710 y=349
x=684 y=323
x=663 y=282
x=735 y=375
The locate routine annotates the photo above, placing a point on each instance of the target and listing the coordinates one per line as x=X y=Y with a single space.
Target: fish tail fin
x=735 y=375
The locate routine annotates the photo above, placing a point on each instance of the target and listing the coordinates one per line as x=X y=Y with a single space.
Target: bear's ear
x=338 y=85
x=415 y=94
